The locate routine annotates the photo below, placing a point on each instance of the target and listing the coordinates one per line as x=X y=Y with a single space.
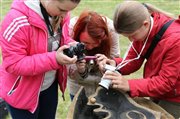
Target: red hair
x=96 y=27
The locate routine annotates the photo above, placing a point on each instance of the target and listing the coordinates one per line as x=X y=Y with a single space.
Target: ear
x=146 y=23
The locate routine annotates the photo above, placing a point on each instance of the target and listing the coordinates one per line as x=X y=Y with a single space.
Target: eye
x=61 y=10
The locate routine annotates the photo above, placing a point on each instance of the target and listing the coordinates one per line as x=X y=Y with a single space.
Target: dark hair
x=96 y=26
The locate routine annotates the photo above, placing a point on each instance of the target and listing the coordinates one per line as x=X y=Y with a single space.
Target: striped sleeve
x=14 y=26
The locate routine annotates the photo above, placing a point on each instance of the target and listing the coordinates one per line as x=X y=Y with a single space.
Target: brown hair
x=96 y=27
x=129 y=16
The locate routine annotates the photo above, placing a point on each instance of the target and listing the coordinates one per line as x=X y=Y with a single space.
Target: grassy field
x=105 y=7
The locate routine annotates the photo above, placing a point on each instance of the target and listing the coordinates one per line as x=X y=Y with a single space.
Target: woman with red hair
x=99 y=37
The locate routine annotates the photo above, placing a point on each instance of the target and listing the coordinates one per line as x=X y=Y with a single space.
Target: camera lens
x=91 y=62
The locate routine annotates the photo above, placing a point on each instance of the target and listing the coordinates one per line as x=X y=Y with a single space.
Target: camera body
x=77 y=50
x=106 y=82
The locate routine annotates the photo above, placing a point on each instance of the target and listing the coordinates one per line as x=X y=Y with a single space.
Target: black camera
x=78 y=50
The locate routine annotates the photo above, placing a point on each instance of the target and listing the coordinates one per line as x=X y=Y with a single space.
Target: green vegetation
x=104 y=7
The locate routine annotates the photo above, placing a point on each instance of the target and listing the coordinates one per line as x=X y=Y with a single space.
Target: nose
x=89 y=47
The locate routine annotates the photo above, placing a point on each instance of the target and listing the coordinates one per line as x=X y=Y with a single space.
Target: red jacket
x=161 y=78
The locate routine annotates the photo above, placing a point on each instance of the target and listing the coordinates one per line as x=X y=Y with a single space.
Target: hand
x=117 y=81
x=102 y=60
x=62 y=58
x=81 y=66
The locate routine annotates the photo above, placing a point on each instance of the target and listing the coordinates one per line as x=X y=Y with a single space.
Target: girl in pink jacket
x=33 y=37
x=161 y=80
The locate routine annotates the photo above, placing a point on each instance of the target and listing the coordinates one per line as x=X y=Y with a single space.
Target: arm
x=160 y=85
x=16 y=59
x=23 y=56
x=166 y=77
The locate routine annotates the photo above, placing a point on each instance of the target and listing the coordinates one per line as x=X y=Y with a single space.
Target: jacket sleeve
x=17 y=58
x=165 y=81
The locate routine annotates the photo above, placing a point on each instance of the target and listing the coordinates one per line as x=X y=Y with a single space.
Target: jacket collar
x=35 y=6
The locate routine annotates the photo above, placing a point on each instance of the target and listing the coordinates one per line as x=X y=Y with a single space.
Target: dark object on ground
x=3 y=109
x=112 y=104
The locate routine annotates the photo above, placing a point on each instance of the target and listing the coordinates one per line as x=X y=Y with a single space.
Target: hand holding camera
x=78 y=50
x=107 y=82
x=62 y=59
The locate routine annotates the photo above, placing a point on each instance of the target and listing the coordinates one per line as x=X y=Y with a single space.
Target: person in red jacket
x=161 y=79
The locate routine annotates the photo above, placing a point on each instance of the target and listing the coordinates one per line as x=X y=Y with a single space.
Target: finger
x=110 y=77
x=101 y=58
x=98 y=55
x=112 y=73
x=111 y=62
x=115 y=86
x=69 y=60
x=116 y=82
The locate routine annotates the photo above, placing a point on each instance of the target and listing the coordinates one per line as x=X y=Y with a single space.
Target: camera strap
x=46 y=18
x=157 y=38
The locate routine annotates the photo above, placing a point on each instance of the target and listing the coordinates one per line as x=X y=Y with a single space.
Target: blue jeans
x=46 y=109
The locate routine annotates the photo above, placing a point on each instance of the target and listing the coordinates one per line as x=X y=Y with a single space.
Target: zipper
x=46 y=34
x=38 y=95
x=14 y=87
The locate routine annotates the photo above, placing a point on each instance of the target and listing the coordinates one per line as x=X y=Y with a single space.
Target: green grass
x=105 y=7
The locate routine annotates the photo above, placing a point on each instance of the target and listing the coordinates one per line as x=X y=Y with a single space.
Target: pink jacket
x=23 y=40
x=162 y=69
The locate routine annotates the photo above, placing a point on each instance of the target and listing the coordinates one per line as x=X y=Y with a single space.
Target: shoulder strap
x=157 y=38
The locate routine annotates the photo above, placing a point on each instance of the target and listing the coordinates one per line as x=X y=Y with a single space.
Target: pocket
x=15 y=85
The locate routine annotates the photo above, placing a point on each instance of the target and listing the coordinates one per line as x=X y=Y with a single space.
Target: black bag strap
x=157 y=38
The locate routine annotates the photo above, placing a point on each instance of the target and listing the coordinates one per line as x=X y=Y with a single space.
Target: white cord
x=125 y=62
